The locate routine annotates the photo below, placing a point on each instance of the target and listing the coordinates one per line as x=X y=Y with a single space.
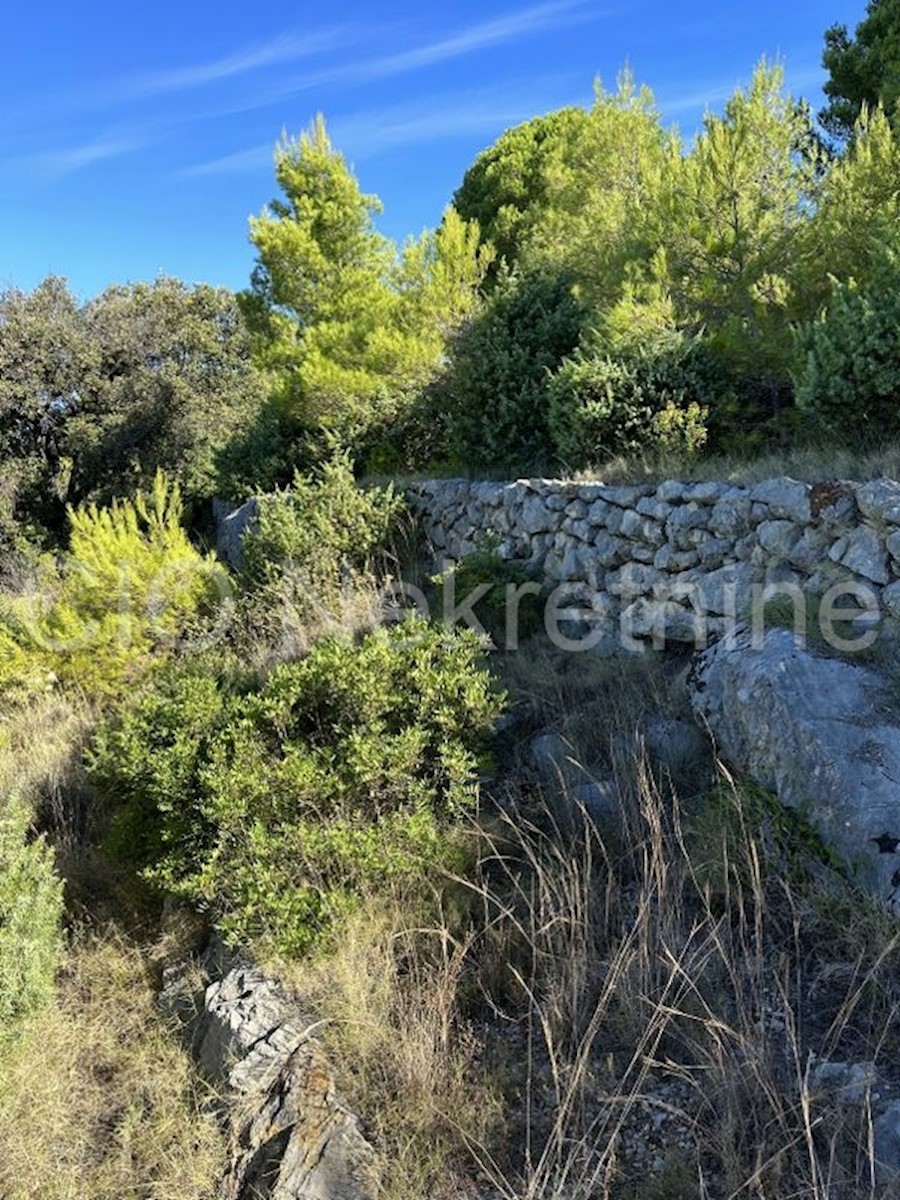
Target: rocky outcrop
x=821 y=733
x=291 y=1136
x=231 y=524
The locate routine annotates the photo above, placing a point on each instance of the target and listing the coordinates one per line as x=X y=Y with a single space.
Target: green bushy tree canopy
x=508 y=188
x=496 y=389
x=348 y=328
x=849 y=358
x=864 y=69
x=95 y=398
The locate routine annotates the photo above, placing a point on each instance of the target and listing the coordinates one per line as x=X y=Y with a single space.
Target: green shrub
x=321 y=530
x=725 y=820
x=276 y=807
x=496 y=388
x=130 y=585
x=849 y=359
x=602 y=406
x=31 y=905
x=485 y=569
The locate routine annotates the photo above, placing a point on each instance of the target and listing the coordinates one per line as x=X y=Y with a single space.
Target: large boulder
x=822 y=733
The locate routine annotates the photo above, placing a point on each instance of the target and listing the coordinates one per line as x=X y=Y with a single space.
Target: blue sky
x=136 y=139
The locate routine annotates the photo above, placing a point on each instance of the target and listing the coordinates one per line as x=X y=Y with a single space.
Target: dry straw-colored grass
x=577 y=975
x=694 y=955
x=810 y=462
x=98 y=1098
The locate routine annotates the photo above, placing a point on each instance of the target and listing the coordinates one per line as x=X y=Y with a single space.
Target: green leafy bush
x=497 y=386
x=493 y=576
x=276 y=806
x=95 y=398
x=321 y=530
x=849 y=358
x=601 y=406
x=130 y=585
x=31 y=905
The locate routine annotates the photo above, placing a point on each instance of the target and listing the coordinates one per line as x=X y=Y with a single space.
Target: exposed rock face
x=292 y=1138
x=822 y=733
x=231 y=524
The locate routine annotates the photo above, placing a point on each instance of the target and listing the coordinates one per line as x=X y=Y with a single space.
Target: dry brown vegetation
x=98 y=1099
x=811 y=463
x=634 y=1013
x=582 y=1013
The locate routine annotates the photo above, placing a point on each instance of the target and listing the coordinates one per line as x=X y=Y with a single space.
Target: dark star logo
x=887 y=844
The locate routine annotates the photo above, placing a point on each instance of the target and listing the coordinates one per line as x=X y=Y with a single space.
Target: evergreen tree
x=864 y=70
x=349 y=329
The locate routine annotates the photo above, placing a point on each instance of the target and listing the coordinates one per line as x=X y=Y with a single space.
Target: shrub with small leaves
x=276 y=806
x=320 y=532
x=31 y=904
x=602 y=406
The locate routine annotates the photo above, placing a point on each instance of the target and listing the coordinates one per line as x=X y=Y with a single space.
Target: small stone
x=599 y=798
x=659 y=510
x=631 y=523
x=778 y=537
x=598 y=512
x=670 y=491
x=865 y=555
x=669 y=559
x=886 y=1139
x=608 y=550
x=703 y=493
x=890 y=599
x=626 y=497
x=730 y=516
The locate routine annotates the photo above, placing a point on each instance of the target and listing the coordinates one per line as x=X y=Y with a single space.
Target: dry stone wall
x=662 y=554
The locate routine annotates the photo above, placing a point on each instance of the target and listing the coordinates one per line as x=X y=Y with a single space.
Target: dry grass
x=599 y=707
x=811 y=463
x=514 y=1037
x=632 y=981
x=695 y=970
x=40 y=746
x=97 y=1096
x=98 y=1099
x=390 y=995
x=814 y=464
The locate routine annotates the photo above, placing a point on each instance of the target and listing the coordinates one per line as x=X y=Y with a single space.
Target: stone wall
x=662 y=553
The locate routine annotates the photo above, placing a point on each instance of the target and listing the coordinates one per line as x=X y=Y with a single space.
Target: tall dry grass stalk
x=638 y=966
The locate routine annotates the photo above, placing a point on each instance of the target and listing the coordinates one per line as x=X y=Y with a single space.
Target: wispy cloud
x=253 y=158
x=482 y=36
x=368 y=133
x=285 y=48
x=512 y=25
x=717 y=91
x=51 y=165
